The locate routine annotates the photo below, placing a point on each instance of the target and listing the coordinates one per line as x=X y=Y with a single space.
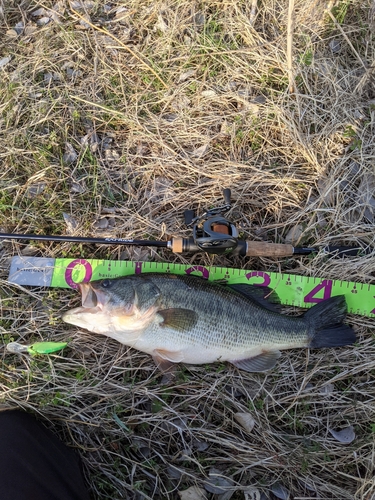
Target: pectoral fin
x=179 y=319
x=260 y=363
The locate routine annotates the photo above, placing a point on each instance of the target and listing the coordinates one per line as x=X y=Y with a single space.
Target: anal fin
x=164 y=360
x=166 y=363
x=261 y=363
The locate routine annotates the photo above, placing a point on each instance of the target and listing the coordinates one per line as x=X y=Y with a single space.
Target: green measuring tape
x=301 y=291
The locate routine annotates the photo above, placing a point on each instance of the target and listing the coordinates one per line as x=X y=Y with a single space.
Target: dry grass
x=164 y=104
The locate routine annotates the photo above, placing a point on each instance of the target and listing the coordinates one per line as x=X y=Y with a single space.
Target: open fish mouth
x=93 y=297
x=90 y=306
x=100 y=313
x=89 y=296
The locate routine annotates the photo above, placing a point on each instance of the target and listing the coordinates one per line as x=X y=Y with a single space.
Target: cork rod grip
x=262 y=249
x=177 y=245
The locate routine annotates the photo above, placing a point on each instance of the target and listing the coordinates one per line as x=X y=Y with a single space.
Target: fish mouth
x=89 y=296
x=93 y=297
x=90 y=305
x=94 y=313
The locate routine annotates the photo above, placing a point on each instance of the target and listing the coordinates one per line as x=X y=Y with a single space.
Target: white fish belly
x=208 y=345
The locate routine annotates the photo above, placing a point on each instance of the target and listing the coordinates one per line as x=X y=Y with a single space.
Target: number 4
x=326 y=286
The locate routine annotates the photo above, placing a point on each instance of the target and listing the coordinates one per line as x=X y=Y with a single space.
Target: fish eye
x=106 y=283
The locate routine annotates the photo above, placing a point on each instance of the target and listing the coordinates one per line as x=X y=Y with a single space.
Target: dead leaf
x=137 y=254
x=71 y=223
x=70 y=154
x=91 y=139
x=180 y=102
x=200 y=445
x=345 y=436
x=30 y=30
x=199 y=19
x=84 y=25
x=43 y=21
x=73 y=73
x=327 y=389
x=335 y=46
x=208 y=93
x=19 y=27
x=294 y=234
x=226 y=496
x=85 y=6
x=101 y=223
x=111 y=155
x=51 y=77
x=39 y=12
x=173 y=472
x=199 y=152
x=280 y=491
x=111 y=222
x=122 y=13
x=108 y=210
x=161 y=24
x=35 y=95
x=193 y=493
x=178 y=424
x=326 y=190
x=162 y=190
x=5 y=60
x=365 y=198
x=76 y=187
x=246 y=420
x=30 y=251
x=169 y=117
x=35 y=189
x=187 y=74
x=217 y=483
x=11 y=33
x=252 y=493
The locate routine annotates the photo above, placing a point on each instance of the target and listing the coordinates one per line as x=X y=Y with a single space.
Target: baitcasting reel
x=212 y=232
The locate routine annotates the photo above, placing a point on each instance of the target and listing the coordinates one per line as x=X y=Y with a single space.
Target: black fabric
x=35 y=464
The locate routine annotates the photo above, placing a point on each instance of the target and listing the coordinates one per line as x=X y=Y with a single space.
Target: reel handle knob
x=226 y=194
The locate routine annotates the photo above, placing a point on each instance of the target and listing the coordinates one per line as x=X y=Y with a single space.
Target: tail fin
x=325 y=320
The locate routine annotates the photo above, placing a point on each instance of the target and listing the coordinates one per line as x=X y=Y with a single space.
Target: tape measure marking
x=293 y=290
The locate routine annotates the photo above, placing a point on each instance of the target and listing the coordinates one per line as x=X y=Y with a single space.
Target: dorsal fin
x=263 y=295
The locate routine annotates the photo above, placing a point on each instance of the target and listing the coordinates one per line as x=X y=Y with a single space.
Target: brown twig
x=289 y=46
x=253 y=12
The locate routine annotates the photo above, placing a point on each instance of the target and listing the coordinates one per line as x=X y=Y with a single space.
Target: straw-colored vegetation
x=122 y=114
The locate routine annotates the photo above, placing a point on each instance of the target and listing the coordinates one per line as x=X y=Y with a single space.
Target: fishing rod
x=212 y=233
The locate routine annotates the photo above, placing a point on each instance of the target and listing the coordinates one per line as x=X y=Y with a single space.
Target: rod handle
x=181 y=245
x=263 y=249
x=176 y=245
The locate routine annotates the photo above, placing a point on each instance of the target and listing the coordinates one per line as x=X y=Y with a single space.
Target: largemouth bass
x=188 y=319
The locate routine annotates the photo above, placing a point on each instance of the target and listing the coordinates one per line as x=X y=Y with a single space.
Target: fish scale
x=218 y=324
